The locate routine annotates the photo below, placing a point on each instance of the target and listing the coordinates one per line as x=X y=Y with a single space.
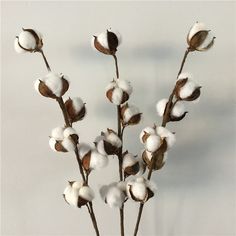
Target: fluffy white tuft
x=148 y=130
x=111 y=85
x=97 y=160
x=68 y=144
x=77 y=184
x=165 y=133
x=152 y=143
x=57 y=133
x=18 y=49
x=117 y=96
x=86 y=193
x=114 y=197
x=100 y=147
x=130 y=112
x=198 y=26
x=71 y=195
x=54 y=83
x=187 y=89
x=138 y=188
x=178 y=110
x=148 y=154
x=36 y=85
x=125 y=86
x=113 y=139
x=184 y=75
x=69 y=131
x=52 y=143
x=27 y=40
x=161 y=106
x=83 y=149
x=78 y=104
x=128 y=160
x=102 y=39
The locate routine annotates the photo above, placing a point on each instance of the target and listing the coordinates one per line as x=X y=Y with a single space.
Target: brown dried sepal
x=45 y=91
x=81 y=202
x=73 y=115
x=197 y=39
x=59 y=147
x=65 y=85
x=109 y=94
x=75 y=138
x=86 y=161
x=132 y=170
x=133 y=120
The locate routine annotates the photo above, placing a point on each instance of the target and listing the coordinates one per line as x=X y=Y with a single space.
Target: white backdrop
x=196 y=189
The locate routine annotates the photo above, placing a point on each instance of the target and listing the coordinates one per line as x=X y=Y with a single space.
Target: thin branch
x=156 y=155
x=68 y=124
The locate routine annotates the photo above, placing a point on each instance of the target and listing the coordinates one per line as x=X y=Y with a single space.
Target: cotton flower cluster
x=91 y=158
x=107 y=42
x=199 y=38
x=52 y=85
x=78 y=194
x=132 y=165
x=140 y=189
x=75 y=109
x=108 y=143
x=114 y=194
x=63 y=139
x=157 y=141
x=29 y=40
x=118 y=91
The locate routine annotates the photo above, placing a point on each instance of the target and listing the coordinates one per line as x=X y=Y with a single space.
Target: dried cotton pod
x=130 y=164
x=130 y=115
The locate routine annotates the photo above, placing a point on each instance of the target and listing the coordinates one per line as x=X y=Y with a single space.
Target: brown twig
x=120 y=135
x=68 y=124
x=157 y=154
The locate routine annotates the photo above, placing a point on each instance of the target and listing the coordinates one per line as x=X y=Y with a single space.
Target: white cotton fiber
x=100 y=147
x=148 y=130
x=83 y=149
x=161 y=106
x=71 y=195
x=78 y=104
x=18 y=49
x=54 y=83
x=36 y=85
x=27 y=40
x=165 y=133
x=57 y=133
x=117 y=96
x=187 y=89
x=130 y=111
x=102 y=39
x=125 y=86
x=97 y=160
x=69 y=131
x=178 y=110
x=68 y=144
x=114 y=197
x=111 y=85
x=52 y=143
x=184 y=75
x=86 y=193
x=196 y=28
x=128 y=160
x=152 y=143
x=139 y=190
x=113 y=139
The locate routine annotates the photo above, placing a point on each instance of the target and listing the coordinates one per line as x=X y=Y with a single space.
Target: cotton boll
x=114 y=197
x=113 y=139
x=128 y=160
x=147 y=130
x=69 y=131
x=77 y=184
x=187 y=90
x=103 y=40
x=130 y=115
x=198 y=26
x=78 y=104
x=178 y=110
x=117 y=96
x=153 y=142
x=86 y=193
x=68 y=144
x=57 y=133
x=71 y=195
x=54 y=83
x=27 y=40
x=125 y=86
x=83 y=149
x=139 y=189
x=165 y=133
x=161 y=106
x=18 y=49
x=97 y=161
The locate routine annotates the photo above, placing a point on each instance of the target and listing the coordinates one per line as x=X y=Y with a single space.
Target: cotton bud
x=186 y=89
x=161 y=106
x=130 y=115
x=199 y=38
x=52 y=85
x=140 y=190
x=29 y=40
x=107 y=42
x=94 y=160
x=113 y=194
x=159 y=161
x=78 y=194
x=118 y=91
x=63 y=139
x=130 y=164
x=178 y=111
x=75 y=109
x=108 y=143
x=145 y=133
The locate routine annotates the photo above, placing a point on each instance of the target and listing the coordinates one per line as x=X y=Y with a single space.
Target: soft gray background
x=196 y=189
